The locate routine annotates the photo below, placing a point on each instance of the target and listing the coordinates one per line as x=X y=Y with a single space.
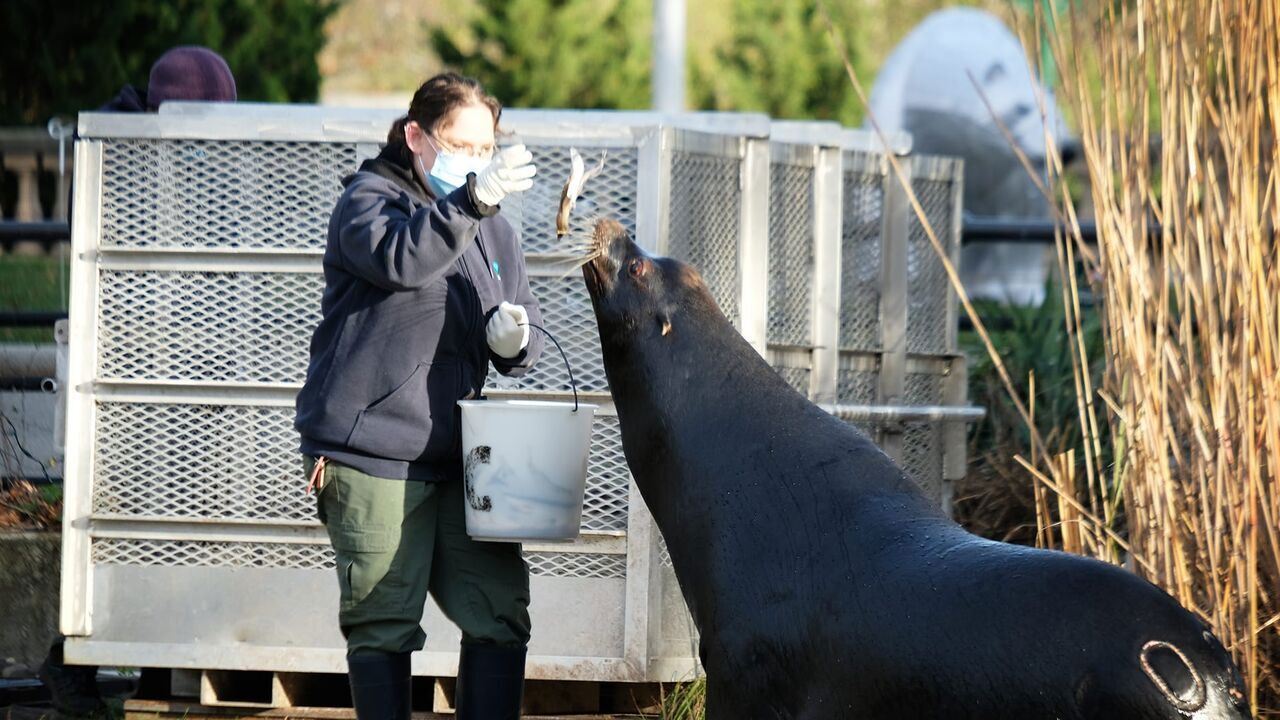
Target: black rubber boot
x=490 y=682
x=73 y=688
x=381 y=687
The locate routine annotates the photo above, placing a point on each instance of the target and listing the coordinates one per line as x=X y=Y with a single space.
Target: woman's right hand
x=511 y=171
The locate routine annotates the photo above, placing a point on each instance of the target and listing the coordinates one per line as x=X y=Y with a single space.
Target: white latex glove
x=508 y=330
x=511 y=171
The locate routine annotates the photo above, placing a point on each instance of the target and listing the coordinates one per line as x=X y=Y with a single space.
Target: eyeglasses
x=484 y=152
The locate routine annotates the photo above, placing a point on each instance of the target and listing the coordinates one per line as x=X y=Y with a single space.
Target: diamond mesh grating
x=611 y=194
x=922 y=389
x=704 y=225
x=922 y=455
x=857 y=387
x=576 y=565
x=198 y=461
x=863 y=219
x=797 y=378
x=221 y=193
x=928 y=289
x=664 y=555
x=790 y=254
x=200 y=553
x=567 y=313
x=207 y=326
x=207 y=461
x=608 y=478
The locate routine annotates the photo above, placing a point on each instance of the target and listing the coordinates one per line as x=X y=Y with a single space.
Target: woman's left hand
x=508 y=330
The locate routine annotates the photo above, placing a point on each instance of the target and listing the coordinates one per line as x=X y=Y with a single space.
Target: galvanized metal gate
x=188 y=540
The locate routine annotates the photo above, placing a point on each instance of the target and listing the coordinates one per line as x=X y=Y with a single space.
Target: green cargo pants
x=395 y=540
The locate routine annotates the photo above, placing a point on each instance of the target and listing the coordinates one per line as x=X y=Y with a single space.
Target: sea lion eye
x=637 y=267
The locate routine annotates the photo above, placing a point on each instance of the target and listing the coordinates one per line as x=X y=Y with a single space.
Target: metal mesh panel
x=703 y=231
x=207 y=326
x=856 y=387
x=790 y=254
x=611 y=194
x=199 y=461
x=922 y=455
x=922 y=389
x=566 y=313
x=195 y=193
x=576 y=565
x=664 y=555
x=922 y=442
x=797 y=378
x=199 y=553
x=608 y=479
x=863 y=220
x=927 y=284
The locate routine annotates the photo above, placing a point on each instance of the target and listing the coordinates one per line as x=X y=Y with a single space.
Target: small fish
x=578 y=177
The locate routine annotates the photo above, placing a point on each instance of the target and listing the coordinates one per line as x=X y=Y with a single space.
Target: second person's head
x=450 y=130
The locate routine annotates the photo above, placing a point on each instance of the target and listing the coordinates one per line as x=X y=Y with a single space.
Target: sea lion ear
x=664 y=321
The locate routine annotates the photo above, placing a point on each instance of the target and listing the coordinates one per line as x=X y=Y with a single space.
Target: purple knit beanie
x=190 y=72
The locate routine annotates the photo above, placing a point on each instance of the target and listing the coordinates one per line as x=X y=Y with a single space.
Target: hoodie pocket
x=415 y=422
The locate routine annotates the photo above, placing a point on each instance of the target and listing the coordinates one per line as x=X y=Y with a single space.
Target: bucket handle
x=568 y=367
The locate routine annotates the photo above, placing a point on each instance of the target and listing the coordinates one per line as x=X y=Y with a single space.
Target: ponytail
x=396 y=134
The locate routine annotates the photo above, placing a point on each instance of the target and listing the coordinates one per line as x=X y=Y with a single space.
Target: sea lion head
x=666 y=346
x=643 y=299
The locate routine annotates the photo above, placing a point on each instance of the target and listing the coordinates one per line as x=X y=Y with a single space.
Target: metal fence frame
x=636 y=625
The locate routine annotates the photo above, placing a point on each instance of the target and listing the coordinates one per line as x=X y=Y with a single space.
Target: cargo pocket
x=367 y=576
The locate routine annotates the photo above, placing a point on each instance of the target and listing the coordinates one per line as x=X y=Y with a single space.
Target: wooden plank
x=163 y=710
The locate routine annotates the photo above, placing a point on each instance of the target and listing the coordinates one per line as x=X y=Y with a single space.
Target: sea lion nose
x=607 y=232
x=610 y=244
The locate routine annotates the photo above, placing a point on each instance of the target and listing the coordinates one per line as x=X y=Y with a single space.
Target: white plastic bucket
x=524 y=468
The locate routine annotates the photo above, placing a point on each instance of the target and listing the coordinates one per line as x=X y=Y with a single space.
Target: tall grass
x=1178 y=103
x=686 y=700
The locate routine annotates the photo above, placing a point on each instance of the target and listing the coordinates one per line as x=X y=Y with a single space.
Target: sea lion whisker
x=576 y=266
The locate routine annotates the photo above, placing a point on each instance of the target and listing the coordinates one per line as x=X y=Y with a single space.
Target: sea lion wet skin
x=823 y=582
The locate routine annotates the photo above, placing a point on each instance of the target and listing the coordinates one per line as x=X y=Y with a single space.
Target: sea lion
x=825 y=584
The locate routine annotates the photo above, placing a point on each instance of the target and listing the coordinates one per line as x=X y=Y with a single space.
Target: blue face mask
x=449 y=172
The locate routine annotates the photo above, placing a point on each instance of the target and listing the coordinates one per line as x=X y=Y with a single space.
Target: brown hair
x=440 y=96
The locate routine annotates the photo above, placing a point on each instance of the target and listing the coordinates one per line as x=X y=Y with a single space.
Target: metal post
x=828 y=194
x=77 y=582
x=643 y=593
x=953 y=246
x=62 y=359
x=653 y=205
x=62 y=131
x=955 y=392
x=893 y=301
x=668 y=55
x=753 y=308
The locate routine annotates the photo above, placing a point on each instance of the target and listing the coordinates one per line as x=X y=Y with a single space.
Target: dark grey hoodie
x=410 y=282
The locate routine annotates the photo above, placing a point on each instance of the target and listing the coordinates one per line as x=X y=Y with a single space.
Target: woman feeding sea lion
x=825 y=585
x=425 y=287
